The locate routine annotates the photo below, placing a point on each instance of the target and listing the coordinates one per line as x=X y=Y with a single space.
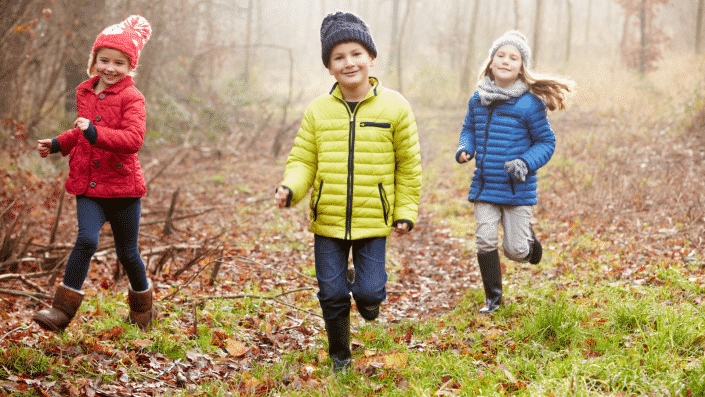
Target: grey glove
x=517 y=168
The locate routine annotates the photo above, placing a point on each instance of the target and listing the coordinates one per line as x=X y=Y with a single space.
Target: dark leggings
x=124 y=217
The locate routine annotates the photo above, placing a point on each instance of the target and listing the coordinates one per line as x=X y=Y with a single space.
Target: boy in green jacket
x=358 y=148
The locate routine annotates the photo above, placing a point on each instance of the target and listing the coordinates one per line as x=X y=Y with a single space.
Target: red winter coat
x=109 y=168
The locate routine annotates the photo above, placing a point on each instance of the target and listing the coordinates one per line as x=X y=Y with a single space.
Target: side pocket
x=318 y=198
x=385 y=203
x=511 y=184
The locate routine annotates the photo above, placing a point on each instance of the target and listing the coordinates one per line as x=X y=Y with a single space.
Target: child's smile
x=112 y=66
x=350 y=64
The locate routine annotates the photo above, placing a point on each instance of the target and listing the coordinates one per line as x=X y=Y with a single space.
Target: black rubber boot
x=491 y=272
x=536 y=251
x=338 y=331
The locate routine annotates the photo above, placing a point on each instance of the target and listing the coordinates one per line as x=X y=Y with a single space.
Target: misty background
x=217 y=69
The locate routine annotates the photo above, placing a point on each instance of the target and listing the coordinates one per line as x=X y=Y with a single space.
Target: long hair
x=552 y=90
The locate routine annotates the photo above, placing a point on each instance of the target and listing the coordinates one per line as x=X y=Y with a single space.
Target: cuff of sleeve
x=411 y=224
x=288 y=197
x=459 y=153
x=55 y=146
x=91 y=133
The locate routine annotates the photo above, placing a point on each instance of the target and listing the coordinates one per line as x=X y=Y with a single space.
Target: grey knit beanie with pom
x=341 y=27
x=516 y=39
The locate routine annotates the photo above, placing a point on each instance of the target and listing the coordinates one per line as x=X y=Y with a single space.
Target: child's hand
x=44 y=147
x=517 y=168
x=401 y=228
x=464 y=157
x=81 y=123
x=281 y=196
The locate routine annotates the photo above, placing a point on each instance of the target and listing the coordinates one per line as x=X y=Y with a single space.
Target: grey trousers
x=516 y=222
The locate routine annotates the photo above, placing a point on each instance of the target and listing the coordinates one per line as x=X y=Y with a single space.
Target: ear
x=372 y=60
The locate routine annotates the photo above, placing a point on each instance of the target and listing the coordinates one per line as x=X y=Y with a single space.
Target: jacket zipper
x=487 y=137
x=351 y=166
x=315 y=207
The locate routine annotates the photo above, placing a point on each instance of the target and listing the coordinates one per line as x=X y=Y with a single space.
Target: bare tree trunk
x=470 y=53
x=395 y=34
x=537 y=31
x=12 y=52
x=248 y=44
x=569 y=33
x=699 y=25
x=400 y=81
x=642 y=52
x=85 y=17
x=516 y=14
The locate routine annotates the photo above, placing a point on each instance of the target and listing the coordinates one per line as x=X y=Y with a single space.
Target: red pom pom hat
x=129 y=36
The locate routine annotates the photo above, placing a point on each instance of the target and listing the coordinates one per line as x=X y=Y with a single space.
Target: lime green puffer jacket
x=364 y=166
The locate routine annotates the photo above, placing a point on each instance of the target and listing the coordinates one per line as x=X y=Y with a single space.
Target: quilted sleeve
x=302 y=163
x=408 y=168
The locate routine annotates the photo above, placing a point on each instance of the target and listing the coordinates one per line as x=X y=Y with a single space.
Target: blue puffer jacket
x=504 y=131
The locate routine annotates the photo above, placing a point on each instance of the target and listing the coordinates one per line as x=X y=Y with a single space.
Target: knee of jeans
x=485 y=245
x=86 y=243
x=333 y=293
x=370 y=296
x=518 y=253
x=128 y=257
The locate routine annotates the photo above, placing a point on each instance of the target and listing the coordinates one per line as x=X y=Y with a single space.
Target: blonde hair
x=92 y=60
x=552 y=90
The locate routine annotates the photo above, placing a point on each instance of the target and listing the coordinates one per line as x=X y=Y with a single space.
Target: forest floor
x=620 y=206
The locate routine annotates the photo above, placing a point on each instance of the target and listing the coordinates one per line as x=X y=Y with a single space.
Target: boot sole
x=46 y=324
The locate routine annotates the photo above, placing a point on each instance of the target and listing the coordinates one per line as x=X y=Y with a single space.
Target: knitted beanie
x=129 y=36
x=516 y=39
x=342 y=27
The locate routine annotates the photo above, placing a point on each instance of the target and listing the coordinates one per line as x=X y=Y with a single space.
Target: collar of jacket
x=115 y=88
x=374 y=91
x=510 y=101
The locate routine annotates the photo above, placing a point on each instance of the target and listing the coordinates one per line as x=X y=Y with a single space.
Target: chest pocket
x=374 y=124
x=514 y=116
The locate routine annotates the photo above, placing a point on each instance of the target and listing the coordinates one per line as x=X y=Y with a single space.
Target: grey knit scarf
x=489 y=92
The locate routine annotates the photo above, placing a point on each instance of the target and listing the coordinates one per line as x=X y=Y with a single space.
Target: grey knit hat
x=341 y=27
x=516 y=39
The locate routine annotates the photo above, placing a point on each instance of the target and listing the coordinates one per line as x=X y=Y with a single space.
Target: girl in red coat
x=104 y=171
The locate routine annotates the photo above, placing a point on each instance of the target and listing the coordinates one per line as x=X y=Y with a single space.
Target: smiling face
x=506 y=65
x=112 y=66
x=350 y=64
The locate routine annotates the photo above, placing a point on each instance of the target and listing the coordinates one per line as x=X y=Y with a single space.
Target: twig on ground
x=34 y=295
x=248 y=260
x=13 y=330
x=178 y=218
x=274 y=298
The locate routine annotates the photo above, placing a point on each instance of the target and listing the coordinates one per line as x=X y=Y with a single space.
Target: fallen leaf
x=236 y=348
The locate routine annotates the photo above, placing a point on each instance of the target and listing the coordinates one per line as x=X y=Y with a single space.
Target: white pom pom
x=139 y=25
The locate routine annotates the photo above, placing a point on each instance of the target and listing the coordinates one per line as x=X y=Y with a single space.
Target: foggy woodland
x=210 y=61
x=614 y=308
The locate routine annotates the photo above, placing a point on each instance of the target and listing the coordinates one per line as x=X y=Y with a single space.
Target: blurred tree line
x=235 y=69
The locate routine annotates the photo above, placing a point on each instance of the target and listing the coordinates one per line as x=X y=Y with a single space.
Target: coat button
x=97 y=118
x=119 y=165
x=101 y=96
x=95 y=163
x=92 y=184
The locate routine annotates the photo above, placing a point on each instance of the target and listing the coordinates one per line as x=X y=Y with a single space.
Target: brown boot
x=65 y=305
x=142 y=310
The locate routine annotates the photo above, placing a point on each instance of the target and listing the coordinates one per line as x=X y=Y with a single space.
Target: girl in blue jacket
x=507 y=132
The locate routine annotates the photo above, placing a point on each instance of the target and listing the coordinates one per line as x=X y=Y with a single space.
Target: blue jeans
x=369 y=286
x=124 y=217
